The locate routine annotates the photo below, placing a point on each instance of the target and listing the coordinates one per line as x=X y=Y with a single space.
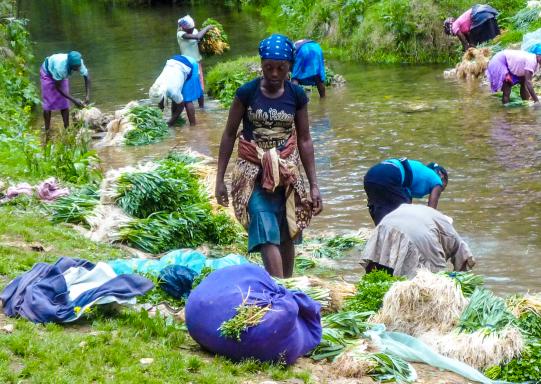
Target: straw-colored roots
x=427 y=302
x=478 y=349
x=474 y=63
x=348 y=364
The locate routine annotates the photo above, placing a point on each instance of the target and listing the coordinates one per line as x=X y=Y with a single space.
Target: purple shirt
x=520 y=61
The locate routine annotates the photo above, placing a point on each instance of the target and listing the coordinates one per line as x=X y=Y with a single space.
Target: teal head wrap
x=74 y=60
x=535 y=49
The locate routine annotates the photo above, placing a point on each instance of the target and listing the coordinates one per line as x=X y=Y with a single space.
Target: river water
x=493 y=154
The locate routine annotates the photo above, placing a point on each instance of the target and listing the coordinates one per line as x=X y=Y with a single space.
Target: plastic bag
x=226 y=261
x=177 y=280
x=530 y=39
x=411 y=349
x=290 y=329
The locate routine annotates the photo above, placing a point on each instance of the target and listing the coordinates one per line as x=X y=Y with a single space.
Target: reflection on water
x=493 y=154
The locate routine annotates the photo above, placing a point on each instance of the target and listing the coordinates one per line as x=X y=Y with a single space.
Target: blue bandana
x=535 y=49
x=276 y=47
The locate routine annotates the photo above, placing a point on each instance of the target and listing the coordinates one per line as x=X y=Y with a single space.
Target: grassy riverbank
x=104 y=347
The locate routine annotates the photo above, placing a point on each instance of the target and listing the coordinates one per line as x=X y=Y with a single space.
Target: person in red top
x=475 y=26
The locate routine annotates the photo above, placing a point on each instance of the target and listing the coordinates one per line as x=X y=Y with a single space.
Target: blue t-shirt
x=424 y=179
x=269 y=122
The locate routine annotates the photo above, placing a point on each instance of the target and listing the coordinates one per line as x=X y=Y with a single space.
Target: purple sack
x=290 y=329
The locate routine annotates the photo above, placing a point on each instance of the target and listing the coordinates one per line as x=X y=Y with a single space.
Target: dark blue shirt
x=270 y=121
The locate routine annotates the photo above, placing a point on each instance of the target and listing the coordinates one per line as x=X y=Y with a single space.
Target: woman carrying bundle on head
x=179 y=82
x=188 y=38
x=396 y=181
x=510 y=67
x=475 y=26
x=55 y=90
x=309 y=65
x=268 y=190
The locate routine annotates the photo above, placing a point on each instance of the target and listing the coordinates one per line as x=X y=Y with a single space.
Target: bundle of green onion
x=485 y=312
x=150 y=127
x=75 y=207
x=467 y=281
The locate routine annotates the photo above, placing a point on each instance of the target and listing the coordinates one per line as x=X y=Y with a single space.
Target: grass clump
x=150 y=127
x=370 y=291
x=224 y=78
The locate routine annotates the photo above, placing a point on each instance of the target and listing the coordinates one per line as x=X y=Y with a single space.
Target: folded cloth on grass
x=61 y=292
x=288 y=330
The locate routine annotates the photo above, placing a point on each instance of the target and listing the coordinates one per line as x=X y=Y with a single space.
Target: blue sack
x=177 y=280
x=289 y=330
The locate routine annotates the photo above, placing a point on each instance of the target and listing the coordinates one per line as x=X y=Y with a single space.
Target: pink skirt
x=51 y=99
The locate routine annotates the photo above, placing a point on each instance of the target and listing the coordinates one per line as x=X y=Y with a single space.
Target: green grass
x=104 y=347
x=108 y=349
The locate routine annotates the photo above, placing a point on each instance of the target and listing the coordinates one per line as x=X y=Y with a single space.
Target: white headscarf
x=186 y=22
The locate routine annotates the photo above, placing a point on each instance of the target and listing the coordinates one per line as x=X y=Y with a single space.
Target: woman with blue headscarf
x=268 y=190
x=54 y=77
x=510 y=67
x=309 y=65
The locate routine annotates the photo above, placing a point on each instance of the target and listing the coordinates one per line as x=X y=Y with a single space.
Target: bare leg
x=65 y=117
x=272 y=260
x=287 y=249
x=47 y=129
x=201 y=100
x=161 y=104
x=190 y=111
x=506 y=92
x=524 y=93
x=320 y=87
x=176 y=110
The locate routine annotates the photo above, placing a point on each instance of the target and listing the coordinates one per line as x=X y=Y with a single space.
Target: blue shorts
x=268 y=222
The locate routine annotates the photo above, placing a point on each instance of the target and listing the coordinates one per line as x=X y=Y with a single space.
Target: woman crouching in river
x=268 y=190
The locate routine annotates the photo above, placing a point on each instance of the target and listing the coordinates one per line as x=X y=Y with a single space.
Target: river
x=493 y=154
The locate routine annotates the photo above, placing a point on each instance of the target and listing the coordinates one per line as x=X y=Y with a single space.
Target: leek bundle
x=150 y=127
x=215 y=41
x=75 y=207
x=485 y=311
x=467 y=281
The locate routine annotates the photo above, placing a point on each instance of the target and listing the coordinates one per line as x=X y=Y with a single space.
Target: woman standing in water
x=510 y=67
x=309 y=66
x=188 y=41
x=55 y=90
x=268 y=191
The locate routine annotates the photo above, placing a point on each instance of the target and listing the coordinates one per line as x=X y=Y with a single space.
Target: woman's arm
x=306 y=152
x=58 y=86
x=87 y=88
x=435 y=196
x=199 y=35
x=226 y=148
x=464 y=40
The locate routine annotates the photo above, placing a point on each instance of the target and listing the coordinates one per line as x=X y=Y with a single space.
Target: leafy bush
x=526 y=368
x=224 y=78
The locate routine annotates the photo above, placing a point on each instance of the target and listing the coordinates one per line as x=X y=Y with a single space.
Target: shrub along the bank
x=379 y=31
x=68 y=156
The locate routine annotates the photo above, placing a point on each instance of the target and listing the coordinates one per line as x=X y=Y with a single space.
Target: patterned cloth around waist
x=277 y=168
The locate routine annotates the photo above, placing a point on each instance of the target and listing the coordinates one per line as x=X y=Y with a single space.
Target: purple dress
x=51 y=99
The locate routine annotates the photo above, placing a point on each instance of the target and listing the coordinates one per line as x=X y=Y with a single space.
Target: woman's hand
x=317 y=204
x=78 y=103
x=221 y=194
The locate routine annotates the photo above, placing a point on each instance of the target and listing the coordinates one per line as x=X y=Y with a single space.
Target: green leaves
x=75 y=207
x=370 y=291
x=485 y=311
x=150 y=127
x=172 y=208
